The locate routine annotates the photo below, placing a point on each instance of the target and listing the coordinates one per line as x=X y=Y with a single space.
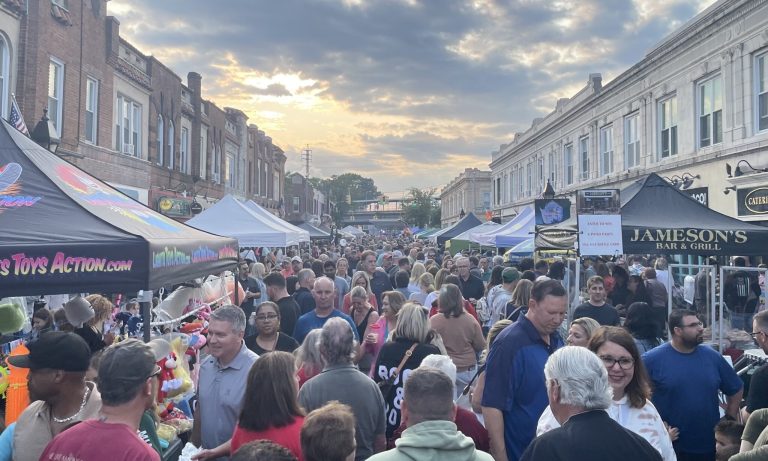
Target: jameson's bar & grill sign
x=691 y=240
x=753 y=201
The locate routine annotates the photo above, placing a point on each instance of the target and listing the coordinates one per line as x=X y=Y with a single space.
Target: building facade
x=304 y=203
x=124 y=116
x=696 y=102
x=469 y=192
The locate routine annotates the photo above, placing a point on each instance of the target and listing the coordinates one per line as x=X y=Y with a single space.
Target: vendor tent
x=235 y=219
x=462 y=241
x=314 y=232
x=519 y=229
x=293 y=233
x=352 y=230
x=524 y=248
x=65 y=231
x=656 y=217
x=467 y=222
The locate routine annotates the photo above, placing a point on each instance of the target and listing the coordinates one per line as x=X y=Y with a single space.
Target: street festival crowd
x=388 y=348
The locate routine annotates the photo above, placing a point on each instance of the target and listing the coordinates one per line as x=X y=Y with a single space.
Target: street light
x=45 y=133
x=738 y=171
x=729 y=189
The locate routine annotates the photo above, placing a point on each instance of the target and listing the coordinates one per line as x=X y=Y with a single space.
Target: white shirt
x=644 y=422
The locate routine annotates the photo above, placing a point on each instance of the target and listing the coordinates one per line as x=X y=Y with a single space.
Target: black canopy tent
x=314 y=232
x=64 y=231
x=658 y=218
x=468 y=222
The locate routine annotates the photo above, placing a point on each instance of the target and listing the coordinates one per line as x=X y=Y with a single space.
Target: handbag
x=388 y=384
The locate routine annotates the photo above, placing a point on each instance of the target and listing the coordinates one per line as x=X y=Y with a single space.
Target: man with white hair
x=579 y=392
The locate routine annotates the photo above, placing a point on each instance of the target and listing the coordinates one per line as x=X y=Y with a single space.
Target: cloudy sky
x=408 y=92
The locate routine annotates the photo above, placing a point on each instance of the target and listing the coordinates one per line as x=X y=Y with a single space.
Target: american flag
x=16 y=119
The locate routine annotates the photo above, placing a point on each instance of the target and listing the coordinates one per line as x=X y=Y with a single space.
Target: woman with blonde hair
x=412 y=335
x=93 y=331
x=581 y=330
x=309 y=361
x=439 y=281
x=359 y=278
x=426 y=286
x=520 y=297
x=416 y=271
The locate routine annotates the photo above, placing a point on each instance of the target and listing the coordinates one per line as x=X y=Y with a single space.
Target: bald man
x=324 y=291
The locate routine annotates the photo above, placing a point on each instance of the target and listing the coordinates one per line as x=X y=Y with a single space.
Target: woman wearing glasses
x=631 y=406
x=268 y=337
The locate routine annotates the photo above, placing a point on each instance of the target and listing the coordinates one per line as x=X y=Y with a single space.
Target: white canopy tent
x=352 y=230
x=294 y=232
x=519 y=229
x=230 y=217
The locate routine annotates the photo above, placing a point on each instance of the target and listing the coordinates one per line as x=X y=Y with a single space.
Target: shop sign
x=700 y=194
x=691 y=239
x=195 y=207
x=174 y=207
x=752 y=201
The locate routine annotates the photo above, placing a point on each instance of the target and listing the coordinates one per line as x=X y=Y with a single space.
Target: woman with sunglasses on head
x=631 y=406
x=268 y=337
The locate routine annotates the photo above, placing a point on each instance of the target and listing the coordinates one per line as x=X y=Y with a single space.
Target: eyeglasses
x=694 y=325
x=754 y=335
x=263 y=317
x=625 y=363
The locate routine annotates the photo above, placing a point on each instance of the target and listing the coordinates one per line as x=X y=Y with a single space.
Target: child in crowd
x=727 y=439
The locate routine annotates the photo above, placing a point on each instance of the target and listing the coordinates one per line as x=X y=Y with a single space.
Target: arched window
x=160 y=131
x=171 y=138
x=5 y=77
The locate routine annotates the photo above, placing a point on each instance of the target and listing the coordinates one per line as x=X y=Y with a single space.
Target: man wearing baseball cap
x=60 y=395
x=128 y=386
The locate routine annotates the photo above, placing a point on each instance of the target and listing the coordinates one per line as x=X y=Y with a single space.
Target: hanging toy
x=169 y=384
x=4 y=380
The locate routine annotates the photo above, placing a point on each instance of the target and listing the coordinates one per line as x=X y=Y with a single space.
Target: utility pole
x=306 y=157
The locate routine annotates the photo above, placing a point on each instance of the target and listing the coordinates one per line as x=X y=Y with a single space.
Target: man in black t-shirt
x=596 y=308
x=757 y=396
x=278 y=294
x=251 y=288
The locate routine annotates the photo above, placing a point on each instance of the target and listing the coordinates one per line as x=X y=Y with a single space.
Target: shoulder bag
x=388 y=384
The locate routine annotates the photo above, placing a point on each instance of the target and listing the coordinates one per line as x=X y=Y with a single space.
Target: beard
x=693 y=342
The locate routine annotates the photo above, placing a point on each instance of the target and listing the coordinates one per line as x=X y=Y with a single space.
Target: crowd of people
x=392 y=349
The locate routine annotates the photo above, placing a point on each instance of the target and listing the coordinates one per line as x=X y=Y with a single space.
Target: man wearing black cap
x=60 y=395
x=128 y=386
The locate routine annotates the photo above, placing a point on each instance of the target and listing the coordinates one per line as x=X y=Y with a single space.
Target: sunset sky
x=407 y=92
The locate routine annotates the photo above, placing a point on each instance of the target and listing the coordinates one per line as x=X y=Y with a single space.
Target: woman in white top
x=426 y=286
x=631 y=406
x=439 y=280
x=416 y=271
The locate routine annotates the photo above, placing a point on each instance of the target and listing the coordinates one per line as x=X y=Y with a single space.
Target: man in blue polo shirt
x=515 y=394
x=324 y=294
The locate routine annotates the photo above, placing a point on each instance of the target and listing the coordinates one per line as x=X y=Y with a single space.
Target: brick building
x=124 y=116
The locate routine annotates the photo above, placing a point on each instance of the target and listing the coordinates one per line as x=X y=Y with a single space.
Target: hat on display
x=78 y=311
x=12 y=315
x=510 y=274
x=56 y=350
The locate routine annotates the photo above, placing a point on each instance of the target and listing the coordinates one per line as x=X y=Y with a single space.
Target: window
x=512 y=196
x=128 y=127
x=668 y=127
x=5 y=68
x=568 y=163
x=497 y=183
x=710 y=108
x=229 y=170
x=184 y=154
x=91 y=109
x=171 y=145
x=217 y=163
x=552 y=168
x=203 y=152
x=541 y=173
x=761 y=93
x=529 y=169
x=584 y=157
x=631 y=141
x=606 y=150
x=276 y=185
x=520 y=182
x=55 y=93
x=486 y=200
x=160 y=140
x=296 y=204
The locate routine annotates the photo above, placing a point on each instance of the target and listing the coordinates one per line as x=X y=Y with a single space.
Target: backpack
x=483 y=310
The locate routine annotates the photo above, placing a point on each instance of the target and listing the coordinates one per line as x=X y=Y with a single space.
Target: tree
x=345 y=190
x=421 y=209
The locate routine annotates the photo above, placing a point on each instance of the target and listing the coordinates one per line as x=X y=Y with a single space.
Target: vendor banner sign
x=691 y=240
x=599 y=221
x=752 y=201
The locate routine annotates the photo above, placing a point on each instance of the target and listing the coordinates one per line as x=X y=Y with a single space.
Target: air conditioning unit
x=128 y=149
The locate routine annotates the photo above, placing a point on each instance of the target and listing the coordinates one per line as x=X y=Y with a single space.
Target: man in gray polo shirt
x=223 y=374
x=342 y=381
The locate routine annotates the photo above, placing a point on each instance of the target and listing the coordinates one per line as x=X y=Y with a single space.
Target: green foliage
x=421 y=209
x=345 y=190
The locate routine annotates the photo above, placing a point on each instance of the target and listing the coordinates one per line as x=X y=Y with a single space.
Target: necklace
x=82 y=405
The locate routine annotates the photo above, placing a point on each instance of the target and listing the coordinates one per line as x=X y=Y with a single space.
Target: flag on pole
x=16 y=119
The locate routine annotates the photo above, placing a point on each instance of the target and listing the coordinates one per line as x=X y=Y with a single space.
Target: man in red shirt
x=128 y=386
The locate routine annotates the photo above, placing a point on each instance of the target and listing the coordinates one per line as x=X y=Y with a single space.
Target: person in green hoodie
x=428 y=411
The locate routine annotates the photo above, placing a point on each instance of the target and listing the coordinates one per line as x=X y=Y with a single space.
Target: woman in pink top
x=376 y=334
x=271 y=408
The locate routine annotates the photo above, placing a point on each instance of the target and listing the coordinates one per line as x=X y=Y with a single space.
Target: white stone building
x=696 y=101
x=470 y=191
